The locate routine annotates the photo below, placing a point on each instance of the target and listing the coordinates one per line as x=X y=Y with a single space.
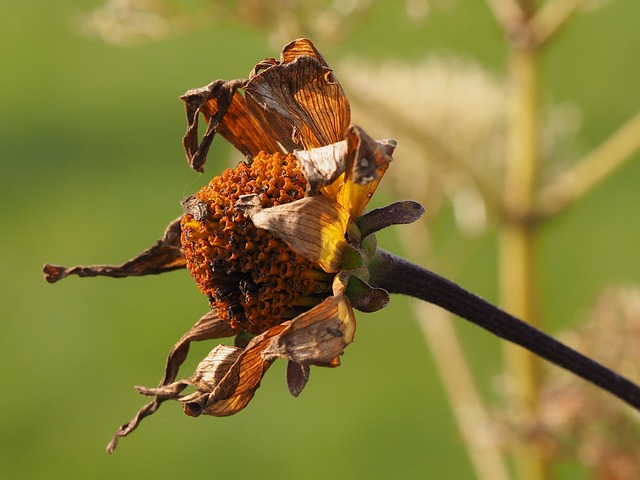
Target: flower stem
x=396 y=275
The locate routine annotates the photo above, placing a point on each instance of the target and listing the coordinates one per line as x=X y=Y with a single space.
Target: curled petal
x=368 y=161
x=318 y=336
x=209 y=326
x=165 y=255
x=226 y=111
x=300 y=47
x=305 y=94
x=314 y=226
x=228 y=378
x=323 y=165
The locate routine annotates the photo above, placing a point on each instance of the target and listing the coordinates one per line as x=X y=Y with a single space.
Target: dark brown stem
x=396 y=275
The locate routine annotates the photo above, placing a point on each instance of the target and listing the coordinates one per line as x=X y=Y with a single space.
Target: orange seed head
x=252 y=278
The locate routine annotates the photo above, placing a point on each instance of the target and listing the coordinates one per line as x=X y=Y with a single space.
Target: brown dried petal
x=318 y=336
x=165 y=255
x=209 y=326
x=313 y=226
x=226 y=112
x=228 y=378
x=306 y=95
x=299 y=47
x=238 y=385
x=323 y=165
x=369 y=156
x=368 y=161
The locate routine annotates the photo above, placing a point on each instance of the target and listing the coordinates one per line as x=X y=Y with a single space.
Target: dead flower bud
x=282 y=247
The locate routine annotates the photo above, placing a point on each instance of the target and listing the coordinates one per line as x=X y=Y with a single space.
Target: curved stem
x=396 y=275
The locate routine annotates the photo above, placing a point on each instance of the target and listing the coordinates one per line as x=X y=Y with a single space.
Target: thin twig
x=591 y=170
x=551 y=18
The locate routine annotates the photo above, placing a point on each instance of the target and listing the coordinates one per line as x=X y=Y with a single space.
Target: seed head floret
x=251 y=277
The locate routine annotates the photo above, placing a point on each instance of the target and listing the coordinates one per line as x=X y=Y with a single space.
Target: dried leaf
x=165 y=255
x=314 y=226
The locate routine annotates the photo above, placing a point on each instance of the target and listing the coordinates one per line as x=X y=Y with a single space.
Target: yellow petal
x=314 y=227
x=368 y=160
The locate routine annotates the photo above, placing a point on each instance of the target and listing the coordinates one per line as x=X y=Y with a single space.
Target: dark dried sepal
x=398 y=213
x=297 y=377
x=364 y=297
x=165 y=255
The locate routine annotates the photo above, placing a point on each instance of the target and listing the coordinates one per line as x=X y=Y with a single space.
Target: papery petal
x=165 y=255
x=226 y=111
x=318 y=336
x=209 y=326
x=299 y=47
x=314 y=227
x=305 y=94
x=228 y=378
x=368 y=161
x=323 y=165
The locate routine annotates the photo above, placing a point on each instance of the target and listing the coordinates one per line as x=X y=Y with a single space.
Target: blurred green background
x=93 y=170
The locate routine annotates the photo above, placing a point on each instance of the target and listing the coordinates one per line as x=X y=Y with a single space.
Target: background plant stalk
x=517 y=276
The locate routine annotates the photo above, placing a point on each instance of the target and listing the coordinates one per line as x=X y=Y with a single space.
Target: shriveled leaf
x=165 y=255
x=313 y=226
x=398 y=213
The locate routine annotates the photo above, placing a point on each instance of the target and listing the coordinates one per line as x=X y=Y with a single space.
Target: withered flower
x=282 y=247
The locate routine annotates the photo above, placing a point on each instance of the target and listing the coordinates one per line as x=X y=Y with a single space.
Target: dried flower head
x=282 y=247
x=279 y=244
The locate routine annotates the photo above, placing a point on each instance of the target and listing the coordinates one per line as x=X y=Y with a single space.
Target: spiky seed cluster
x=253 y=279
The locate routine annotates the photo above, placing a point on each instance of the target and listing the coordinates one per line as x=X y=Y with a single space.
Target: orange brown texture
x=253 y=279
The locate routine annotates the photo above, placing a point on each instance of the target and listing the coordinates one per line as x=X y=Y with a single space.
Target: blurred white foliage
x=449 y=116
